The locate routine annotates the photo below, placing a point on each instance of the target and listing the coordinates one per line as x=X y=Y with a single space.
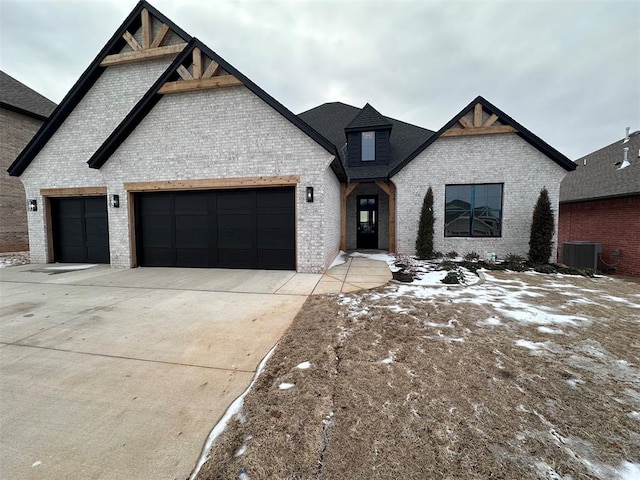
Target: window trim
x=370 y=136
x=472 y=208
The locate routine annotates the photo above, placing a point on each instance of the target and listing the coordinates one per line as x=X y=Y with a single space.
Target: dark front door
x=367 y=221
x=245 y=228
x=80 y=229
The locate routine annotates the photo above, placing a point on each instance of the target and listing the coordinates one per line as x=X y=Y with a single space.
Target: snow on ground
x=286 y=386
x=303 y=365
x=12 y=259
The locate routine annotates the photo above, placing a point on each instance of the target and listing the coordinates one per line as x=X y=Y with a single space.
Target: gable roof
x=17 y=97
x=84 y=84
x=368 y=118
x=153 y=95
x=331 y=120
x=598 y=177
x=505 y=119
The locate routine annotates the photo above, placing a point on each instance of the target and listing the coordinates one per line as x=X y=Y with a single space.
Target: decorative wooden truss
x=200 y=78
x=478 y=127
x=150 y=48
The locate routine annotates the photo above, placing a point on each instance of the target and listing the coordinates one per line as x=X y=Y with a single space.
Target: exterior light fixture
x=33 y=205
x=310 y=194
x=115 y=201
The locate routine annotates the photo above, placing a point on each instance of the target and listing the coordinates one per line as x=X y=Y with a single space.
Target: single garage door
x=245 y=228
x=80 y=229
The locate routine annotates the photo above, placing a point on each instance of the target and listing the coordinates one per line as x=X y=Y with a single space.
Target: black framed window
x=368 y=146
x=473 y=210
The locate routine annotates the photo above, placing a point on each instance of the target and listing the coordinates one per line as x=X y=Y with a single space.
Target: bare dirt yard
x=526 y=375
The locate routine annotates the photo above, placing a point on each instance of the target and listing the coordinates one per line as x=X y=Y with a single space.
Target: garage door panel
x=80 y=229
x=216 y=228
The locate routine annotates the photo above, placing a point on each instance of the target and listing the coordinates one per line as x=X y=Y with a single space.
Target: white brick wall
x=503 y=158
x=62 y=161
x=227 y=133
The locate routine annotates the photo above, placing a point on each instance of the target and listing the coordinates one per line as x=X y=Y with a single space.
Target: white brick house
x=164 y=154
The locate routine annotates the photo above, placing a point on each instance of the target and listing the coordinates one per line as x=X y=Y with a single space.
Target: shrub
x=542 y=226
x=471 y=256
x=452 y=254
x=453 y=277
x=437 y=255
x=424 y=240
x=513 y=258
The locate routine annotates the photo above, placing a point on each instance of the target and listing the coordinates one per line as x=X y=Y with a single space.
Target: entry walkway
x=357 y=273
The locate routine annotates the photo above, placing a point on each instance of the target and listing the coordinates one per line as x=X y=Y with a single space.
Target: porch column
x=345 y=191
x=390 y=189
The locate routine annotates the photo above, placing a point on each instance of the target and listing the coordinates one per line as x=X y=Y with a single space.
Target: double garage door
x=246 y=228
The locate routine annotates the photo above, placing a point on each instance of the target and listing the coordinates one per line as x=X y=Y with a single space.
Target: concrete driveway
x=121 y=374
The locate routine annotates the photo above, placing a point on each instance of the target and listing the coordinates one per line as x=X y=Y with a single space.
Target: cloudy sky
x=567 y=70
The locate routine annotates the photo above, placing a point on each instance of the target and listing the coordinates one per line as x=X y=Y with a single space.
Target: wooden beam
x=383 y=186
x=197 y=63
x=160 y=36
x=200 y=84
x=214 y=183
x=477 y=115
x=133 y=43
x=351 y=187
x=211 y=70
x=73 y=192
x=184 y=73
x=461 y=132
x=491 y=120
x=343 y=217
x=392 y=218
x=465 y=123
x=138 y=56
x=146 y=29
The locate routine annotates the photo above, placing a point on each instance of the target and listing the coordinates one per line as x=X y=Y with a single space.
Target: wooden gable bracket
x=478 y=127
x=198 y=79
x=149 y=49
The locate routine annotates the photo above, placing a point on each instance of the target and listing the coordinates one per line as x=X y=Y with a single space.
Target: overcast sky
x=569 y=71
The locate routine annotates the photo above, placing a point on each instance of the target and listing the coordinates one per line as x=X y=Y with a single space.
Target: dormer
x=368 y=139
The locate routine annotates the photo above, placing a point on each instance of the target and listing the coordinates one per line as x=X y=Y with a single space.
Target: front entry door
x=367 y=221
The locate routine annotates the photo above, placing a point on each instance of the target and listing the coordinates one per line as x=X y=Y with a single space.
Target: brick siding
x=15 y=132
x=612 y=222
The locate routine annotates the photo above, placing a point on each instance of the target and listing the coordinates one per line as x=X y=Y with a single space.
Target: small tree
x=542 y=226
x=424 y=241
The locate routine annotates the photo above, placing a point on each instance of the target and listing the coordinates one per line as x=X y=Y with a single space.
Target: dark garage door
x=80 y=229
x=247 y=228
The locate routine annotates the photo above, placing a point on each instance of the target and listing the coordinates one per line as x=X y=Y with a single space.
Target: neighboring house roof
x=368 y=117
x=331 y=120
x=84 y=84
x=505 y=119
x=597 y=176
x=148 y=101
x=17 y=97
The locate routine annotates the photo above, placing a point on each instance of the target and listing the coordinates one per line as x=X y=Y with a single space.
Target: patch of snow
x=621 y=300
x=430 y=278
x=490 y=321
x=72 y=267
x=303 y=365
x=634 y=415
x=243 y=475
x=544 y=470
x=387 y=360
x=36 y=464
x=552 y=331
x=629 y=471
x=286 y=386
x=240 y=451
x=340 y=259
x=529 y=345
x=233 y=409
x=573 y=382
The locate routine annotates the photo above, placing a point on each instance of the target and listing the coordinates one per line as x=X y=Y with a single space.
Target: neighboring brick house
x=600 y=202
x=165 y=154
x=22 y=112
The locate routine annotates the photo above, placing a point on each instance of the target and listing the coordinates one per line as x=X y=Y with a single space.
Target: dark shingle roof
x=16 y=96
x=331 y=119
x=597 y=176
x=368 y=117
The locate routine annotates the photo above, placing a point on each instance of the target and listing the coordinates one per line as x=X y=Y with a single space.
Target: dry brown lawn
x=524 y=376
